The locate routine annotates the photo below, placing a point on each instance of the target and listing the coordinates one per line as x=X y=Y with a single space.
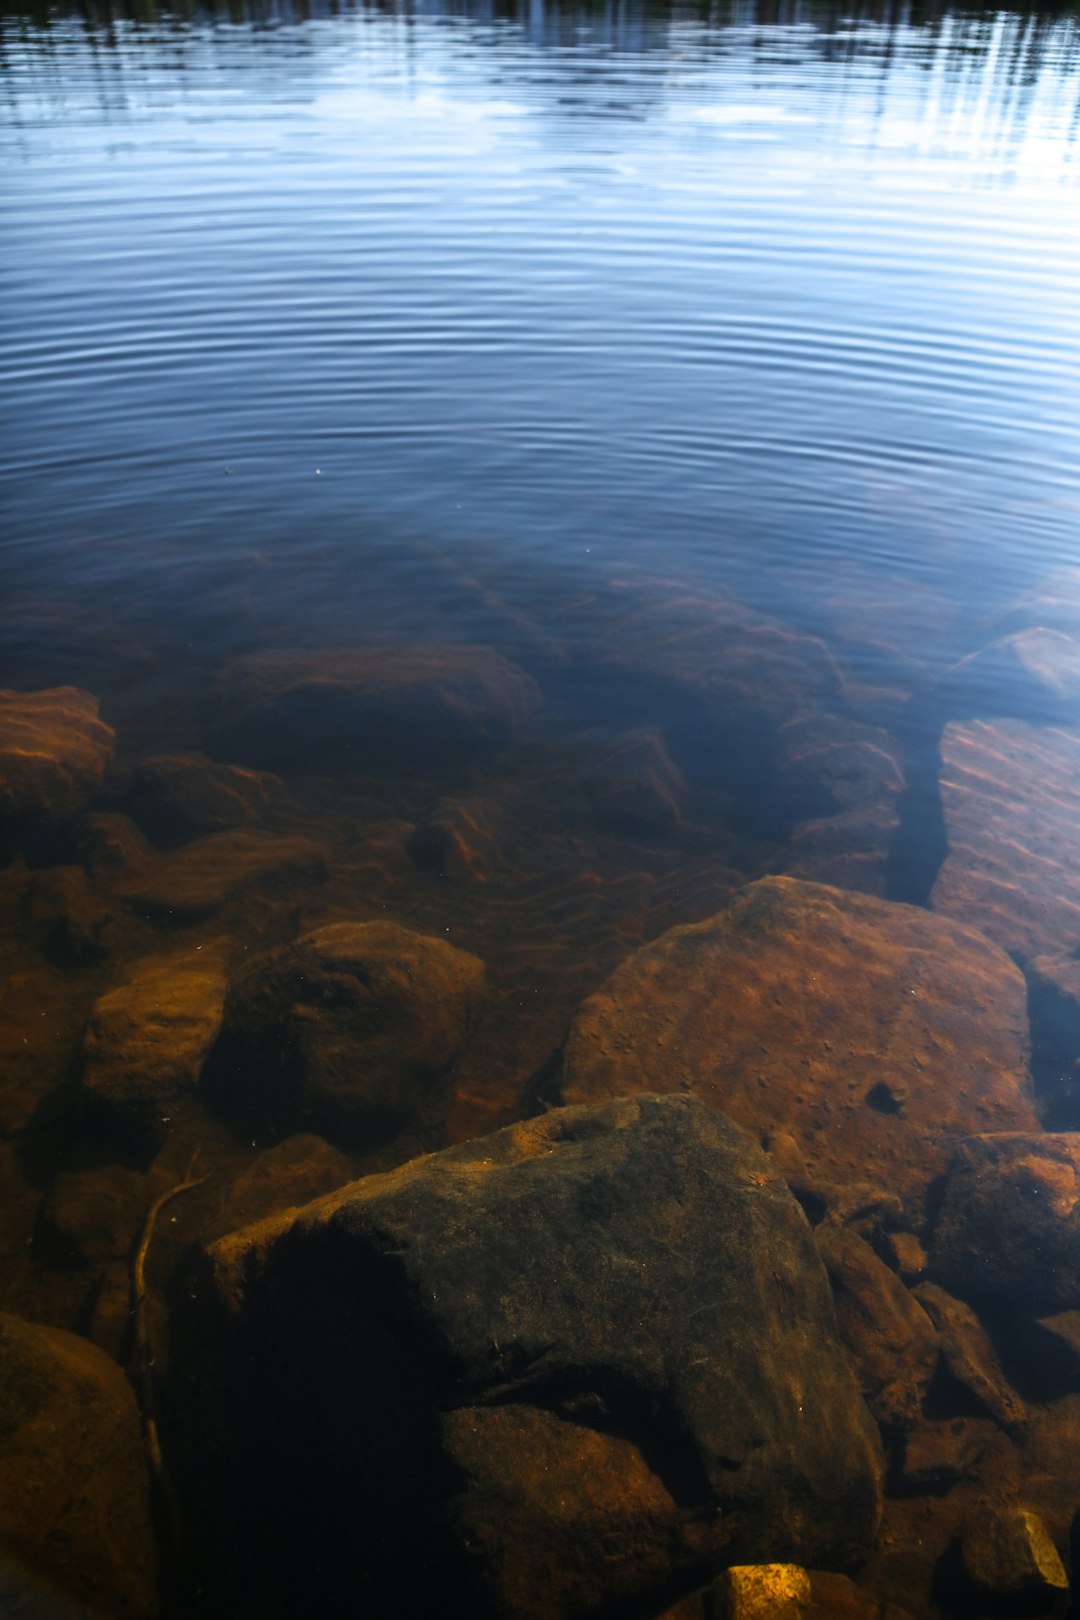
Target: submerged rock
x=1009 y=1225
x=1032 y=675
x=54 y=749
x=147 y=1041
x=636 y=786
x=64 y=918
x=370 y=708
x=1010 y=796
x=92 y=1217
x=74 y=1487
x=557 y=1371
x=179 y=796
x=858 y=769
x=971 y=1358
x=196 y=881
x=872 y=1032
x=1007 y=1553
x=891 y=1338
x=353 y=1020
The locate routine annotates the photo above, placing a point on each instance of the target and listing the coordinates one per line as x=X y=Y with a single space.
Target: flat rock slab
x=194 y=882
x=1010 y=795
x=369 y=708
x=551 y=1372
x=1032 y=675
x=147 y=1041
x=353 y=1019
x=856 y=769
x=1009 y=1225
x=874 y=1033
x=74 y=1486
x=54 y=748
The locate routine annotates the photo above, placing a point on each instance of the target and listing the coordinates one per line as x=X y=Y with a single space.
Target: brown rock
x=63 y=916
x=460 y=838
x=872 y=1032
x=940 y=1453
x=148 y=1039
x=1007 y=1553
x=856 y=768
x=89 y=1217
x=636 y=786
x=74 y=1489
x=350 y=1021
x=379 y=707
x=889 y=1335
x=906 y=1255
x=596 y=1348
x=1011 y=801
x=971 y=1358
x=292 y=1173
x=53 y=752
x=197 y=880
x=179 y=796
x=1009 y=1225
x=112 y=846
x=762 y=1592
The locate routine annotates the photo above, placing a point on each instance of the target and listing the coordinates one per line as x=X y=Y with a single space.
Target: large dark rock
x=350 y=1021
x=400 y=707
x=1009 y=1225
x=74 y=1486
x=53 y=752
x=567 y=1369
x=873 y=1033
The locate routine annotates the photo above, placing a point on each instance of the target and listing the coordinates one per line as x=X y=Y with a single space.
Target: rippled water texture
x=287 y=298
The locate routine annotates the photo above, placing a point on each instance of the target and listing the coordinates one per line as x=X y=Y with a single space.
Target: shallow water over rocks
x=574 y=603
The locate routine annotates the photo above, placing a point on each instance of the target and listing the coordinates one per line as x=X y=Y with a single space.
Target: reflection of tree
x=585 y=57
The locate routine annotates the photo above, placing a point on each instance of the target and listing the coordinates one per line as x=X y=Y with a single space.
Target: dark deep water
x=594 y=459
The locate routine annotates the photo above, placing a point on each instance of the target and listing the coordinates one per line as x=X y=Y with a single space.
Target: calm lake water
x=716 y=369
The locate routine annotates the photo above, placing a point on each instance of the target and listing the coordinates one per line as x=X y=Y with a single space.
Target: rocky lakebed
x=579 y=1128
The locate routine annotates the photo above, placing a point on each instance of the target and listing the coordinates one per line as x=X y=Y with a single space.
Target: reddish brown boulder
x=874 y=1033
x=53 y=752
x=857 y=769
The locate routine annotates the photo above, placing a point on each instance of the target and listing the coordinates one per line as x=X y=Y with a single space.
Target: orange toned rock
x=74 y=1489
x=597 y=1346
x=179 y=796
x=352 y=1021
x=377 y=707
x=147 y=1041
x=939 y=1453
x=460 y=839
x=194 y=882
x=53 y=751
x=1009 y=1224
x=1010 y=796
x=874 y=1033
x=906 y=1255
x=1007 y=1553
x=112 y=846
x=890 y=1336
